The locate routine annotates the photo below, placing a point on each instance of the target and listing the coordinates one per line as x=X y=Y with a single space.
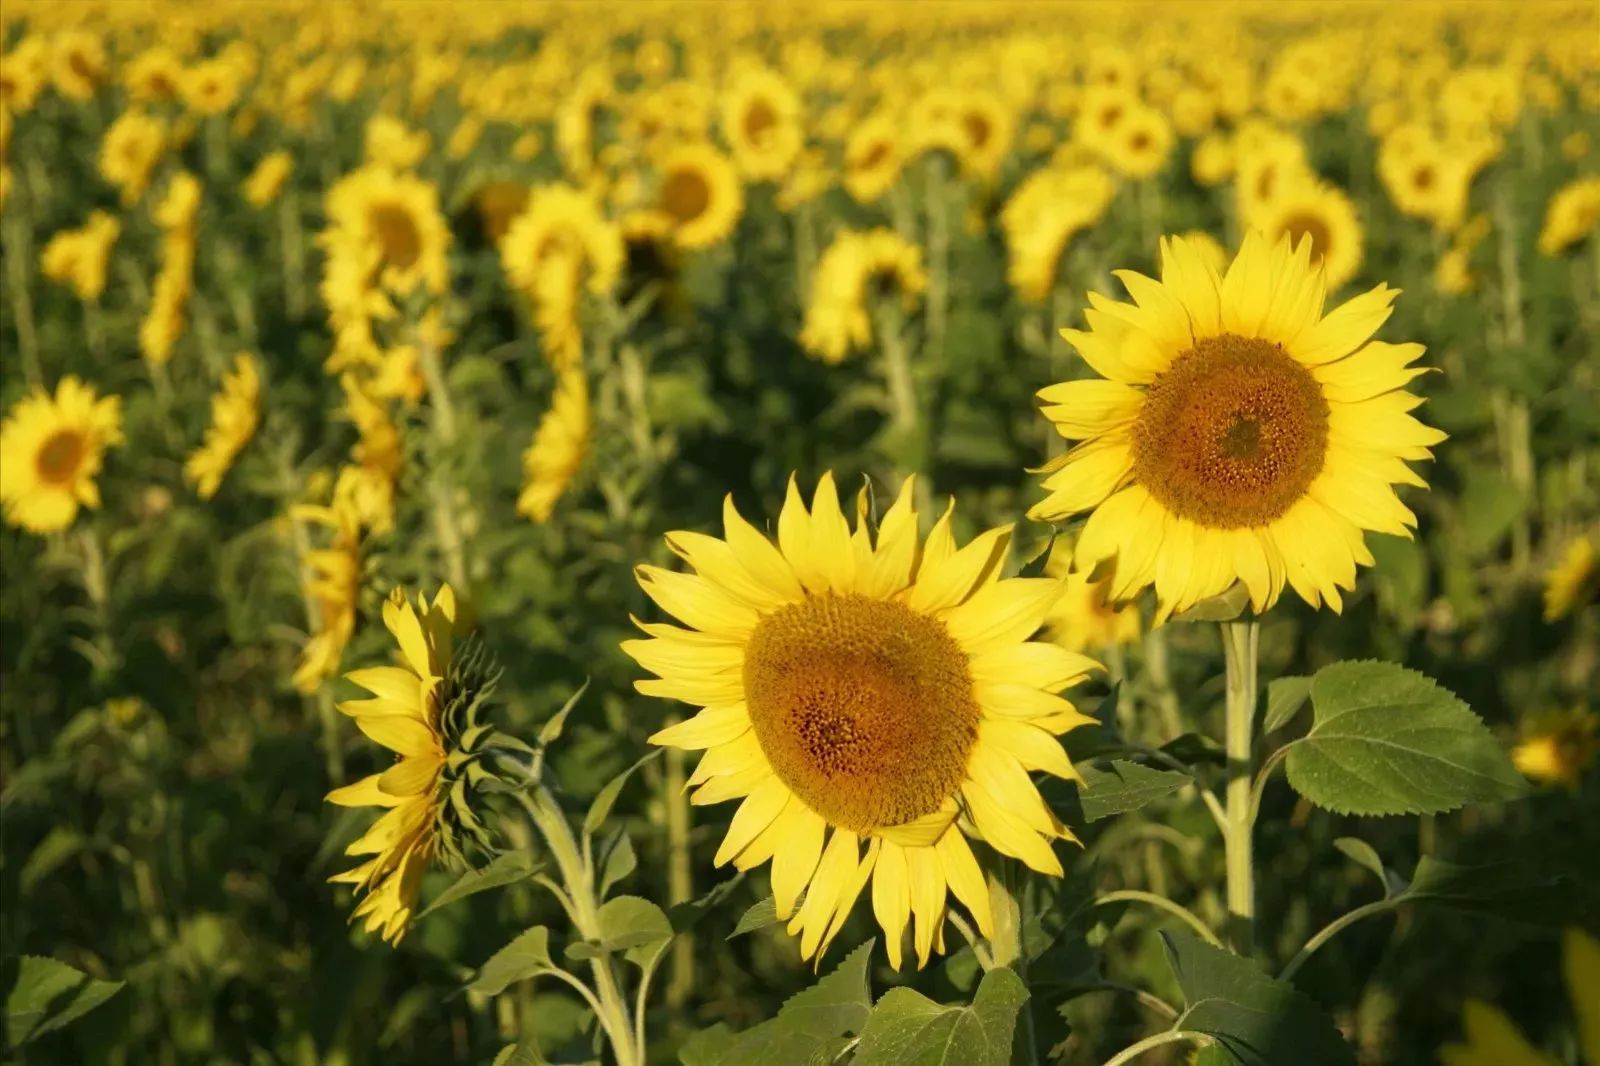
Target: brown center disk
x=865 y=708
x=685 y=195
x=1299 y=227
x=397 y=234
x=1232 y=434
x=59 y=457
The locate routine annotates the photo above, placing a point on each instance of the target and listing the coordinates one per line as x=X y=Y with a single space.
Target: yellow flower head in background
x=78 y=258
x=1492 y=1040
x=235 y=413
x=498 y=203
x=332 y=578
x=560 y=245
x=1557 y=746
x=1570 y=583
x=211 y=86
x=154 y=75
x=873 y=156
x=1239 y=434
x=1324 y=215
x=403 y=714
x=265 y=182
x=761 y=123
x=1084 y=618
x=51 y=450
x=391 y=143
x=558 y=449
x=1140 y=145
x=132 y=147
x=856 y=269
x=1044 y=214
x=78 y=64
x=700 y=192
x=1572 y=215
x=24 y=71
x=398 y=215
x=874 y=702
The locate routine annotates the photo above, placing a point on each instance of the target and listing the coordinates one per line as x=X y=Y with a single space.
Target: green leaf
x=630 y=925
x=526 y=956
x=1262 y=1021
x=59 y=845
x=619 y=863
x=760 y=915
x=520 y=1055
x=1387 y=740
x=1223 y=607
x=1489 y=505
x=1359 y=851
x=810 y=1028
x=909 y=1029
x=607 y=796
x=1124 y=786
x=1285 y=697
x=1195 y=748
x=42 y=995
x=551 y=730
x=505 y=869
x=684 y=916
x=1507 y=889
x=708 y=1046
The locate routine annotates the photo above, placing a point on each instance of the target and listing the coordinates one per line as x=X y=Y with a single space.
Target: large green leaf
x=1124 y=786
x=909 y=1029
x=505 y=869
x=1260 y=1020
x=814 y=1026
x=526 y=956
x=1387 y=740
x=630 y=925
x=1285 y=697
x=1508 y=889
x=43 y=995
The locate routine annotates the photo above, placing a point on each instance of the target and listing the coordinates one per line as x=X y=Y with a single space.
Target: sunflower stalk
x=444 y=432
x=680 y=874
x=18 y=255
x=1239 y=642
x=1518 y=453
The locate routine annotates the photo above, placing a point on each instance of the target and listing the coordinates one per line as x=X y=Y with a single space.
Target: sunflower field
x=856 y=532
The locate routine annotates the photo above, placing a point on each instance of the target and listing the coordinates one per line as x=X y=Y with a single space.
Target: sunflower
x=1426 y=178
x=1572 y=215
x=1492 y=1040
x=24 y=71
x=397 y=214
x=1569 y=583
x=1557 y=747
x=558 y=449
x=266 y=180
x=51 y=450
x=235 y=413
x=78 y=64
x=987 y=127
x=1266 y=161
x=560 y=245
x=1085 y=617
x=154 y=75
x=1041 y=218
x=1141 y=144
x=855 y=267
x=761 y=124
x=130 y=151
x=1240 y=434
x=1101 y=114
x=403 y=716
x=701 y=194
x=332 y=579
x=78 y=257
x=874 y=702
x=872 y=159
x=390 y=143
x=211 y=86
x=1323 y=214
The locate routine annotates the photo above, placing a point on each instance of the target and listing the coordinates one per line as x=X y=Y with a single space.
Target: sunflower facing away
x=235 y=413
x=1240 y=433
x=873 y=702
x=51 y=449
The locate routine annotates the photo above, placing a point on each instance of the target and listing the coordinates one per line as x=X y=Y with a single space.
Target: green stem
x=1171 y=1036
x=1239 y=643
x=1188 y=917
x=1332 y=929
x=291 y=254
x=1158 y=666
x=680 y=874
x=938 y=255
x=18 y=257
x=444 y=431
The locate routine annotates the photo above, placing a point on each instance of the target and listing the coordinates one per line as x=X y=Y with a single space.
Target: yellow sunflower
x=154 y=75
x=78 y=64
x=1140 y=145
x=1101 y=114
x=1240 y=433
x=1085 y=618
x=855 y=267
x=1572 y=215
x=78 y=257
x=560 y=221
x=266 y=180
x=1323 y=214
x=872 y=159
x=332 y=579
x=1041 y=218
x=1556 y=747
x=51 y=450
x=987 y=127
x=1491 y=1039
x=1568 y=584
x=403 y=714
x=700 y=192
x=235 y=413
x=558 y=449
x=397 y=214
x=130 y=151
x=761 y=124
x=873 y=701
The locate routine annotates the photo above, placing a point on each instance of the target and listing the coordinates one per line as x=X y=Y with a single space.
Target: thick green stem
x=18 y=257
x=444 y=431
x=680 y=874
x=1239 y=642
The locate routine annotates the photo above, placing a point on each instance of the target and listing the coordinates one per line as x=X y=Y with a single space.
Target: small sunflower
x=154 y=75
x=561 y=222
x=1556 y=747
x=78 y=257
x=987 y=126
x=1570 y=583
x=761 y=124
x=1085 y=618
x=1572 y=215
x=1101 y=114
x=873 y=157
x=856 y=267
x=1323 y=214
x=1140 y=145
x=700 y=192
x=875 y=703
x=396 y=214
x=558 y=449
x=51 y=450
x=1240 y=433
x=78 y=64
x=235 y=413
x=266 y=181
x=129 y=152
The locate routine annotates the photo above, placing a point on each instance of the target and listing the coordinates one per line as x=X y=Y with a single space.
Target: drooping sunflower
x=875 y=703
x=1569 y=584
x=872 y=159
x=1239 y=434
x=558 y=449
x=761 y=123
x=51 y=450
x=1041 y=218
x=397 y=214
x=1323 y=214
x=235 y=413
x=700 y=192
x=856 y=267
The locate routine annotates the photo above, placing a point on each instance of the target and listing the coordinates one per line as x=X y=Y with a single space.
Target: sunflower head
x=51 y=450
x=873 y=700
x=1239 y=434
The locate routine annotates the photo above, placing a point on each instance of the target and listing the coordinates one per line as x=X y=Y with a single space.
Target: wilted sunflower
x=51 y=449
x=701 y=194
x=1323 y=214
x=856 y=268
x=558 y=448
x=235 y=413
x=873 y=701
x=1240 y=434
x=1569 y=583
